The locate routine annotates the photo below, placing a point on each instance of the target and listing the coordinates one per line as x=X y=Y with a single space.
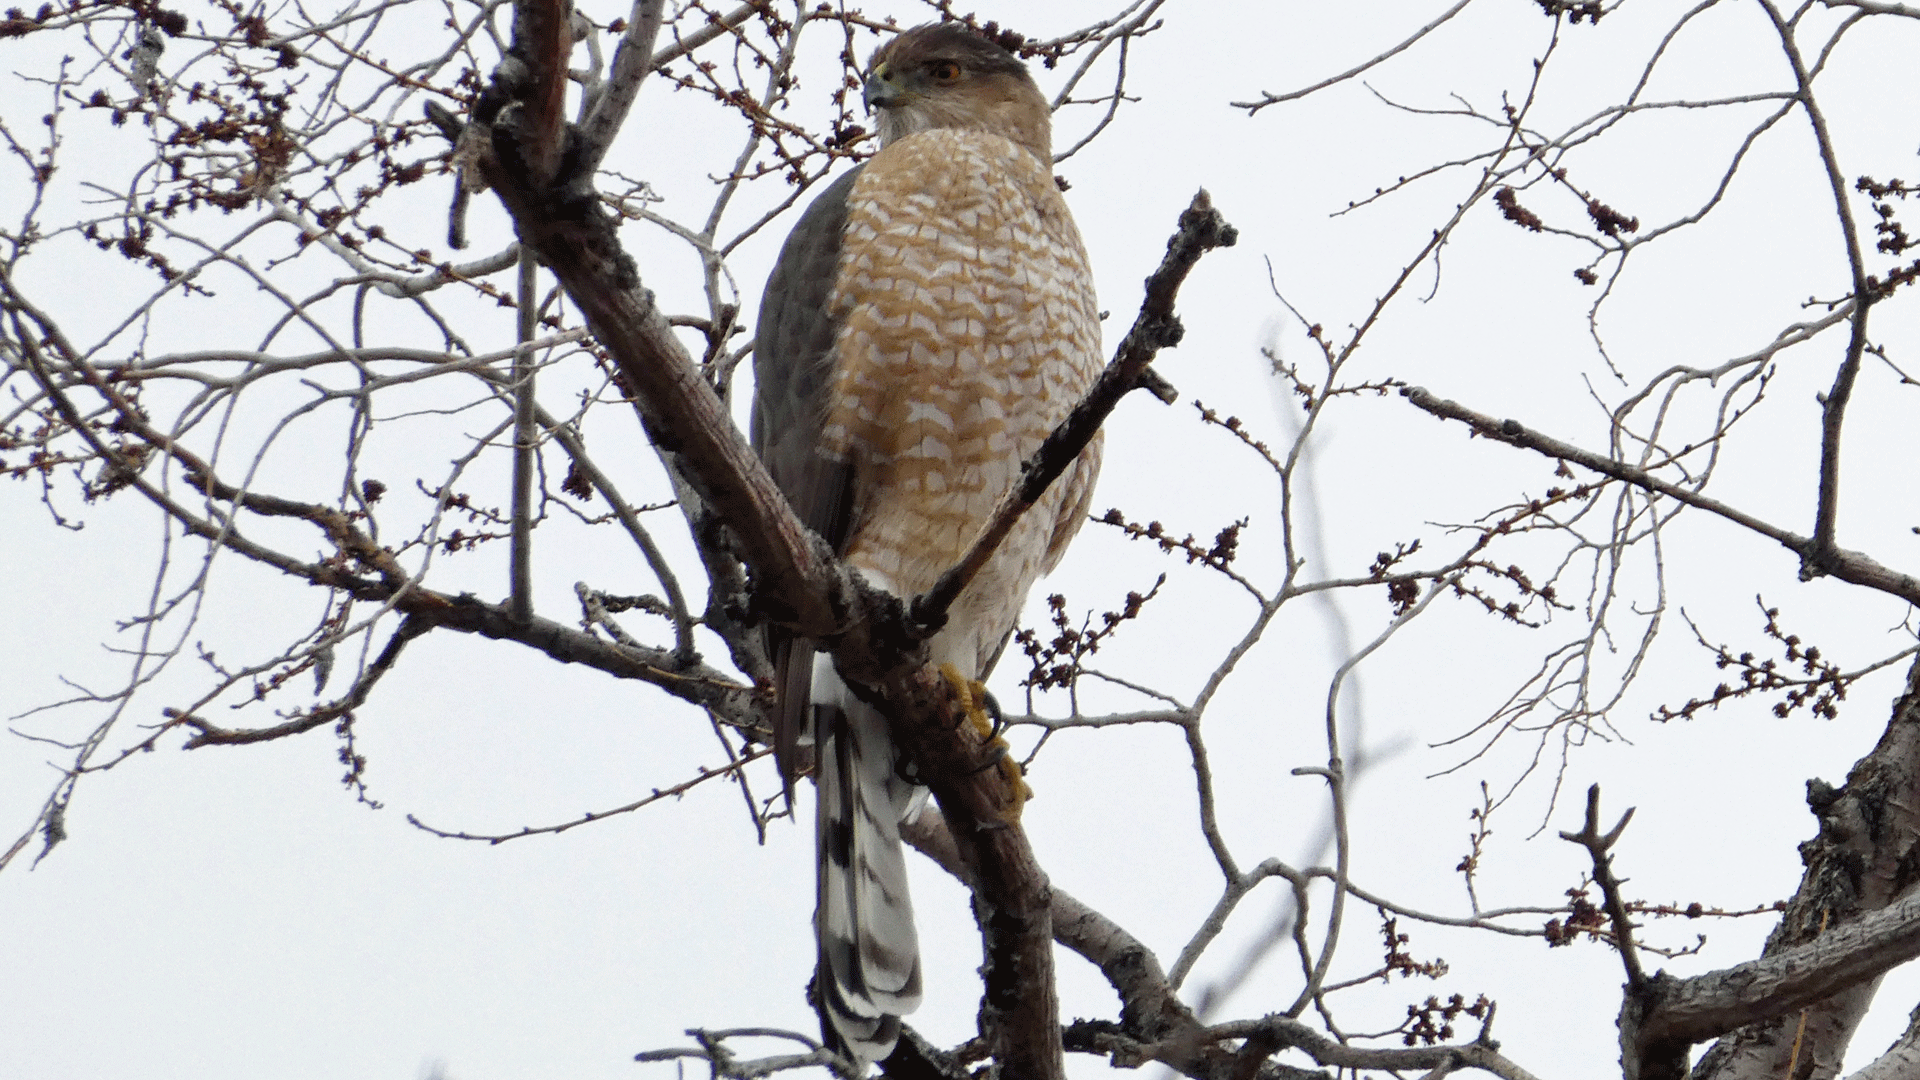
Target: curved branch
x=1267 y=99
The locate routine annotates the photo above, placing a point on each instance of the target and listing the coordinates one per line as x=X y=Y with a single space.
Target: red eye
x=944 y=70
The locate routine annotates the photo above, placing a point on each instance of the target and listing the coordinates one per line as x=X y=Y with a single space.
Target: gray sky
x=232 y=913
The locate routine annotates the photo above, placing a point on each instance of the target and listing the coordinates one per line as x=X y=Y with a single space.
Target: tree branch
x=1598 y=846
x=1857 y=864
x=520 y=542
x=1679 y=1012
x=209 y=734
x=1849 y=566
x=1833 y=407
x=632 y=60
x=1267 y=98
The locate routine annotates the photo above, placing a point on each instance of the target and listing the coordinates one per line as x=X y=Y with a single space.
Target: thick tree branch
x=1680 y=1012
x=544 y=29
x=1861 y=860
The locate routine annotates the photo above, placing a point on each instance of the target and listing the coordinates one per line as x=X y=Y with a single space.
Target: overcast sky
x=232 y=912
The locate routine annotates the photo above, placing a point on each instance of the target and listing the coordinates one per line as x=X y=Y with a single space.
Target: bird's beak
x=880 y=91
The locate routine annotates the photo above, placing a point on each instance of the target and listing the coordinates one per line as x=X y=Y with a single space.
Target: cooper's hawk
x=930 y=320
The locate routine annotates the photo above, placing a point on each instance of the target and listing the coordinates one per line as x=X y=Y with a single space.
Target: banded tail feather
x=869 y=973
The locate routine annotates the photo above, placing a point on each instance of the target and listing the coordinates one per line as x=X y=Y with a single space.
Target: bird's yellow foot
x=971 y=695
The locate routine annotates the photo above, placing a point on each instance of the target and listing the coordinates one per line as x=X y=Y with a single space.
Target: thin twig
x=591 y=816
x=1267 y=99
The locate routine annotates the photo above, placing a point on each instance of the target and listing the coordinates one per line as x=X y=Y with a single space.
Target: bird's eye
x=944 y=70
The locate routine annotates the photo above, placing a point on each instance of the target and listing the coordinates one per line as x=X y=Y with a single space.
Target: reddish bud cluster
x=1432 y=1021
x=1610 y=221
x=1510 y=208
x=1400 y=960
x=1893 y=235
x=1006 y=37
x=1056 y=664
x=1819 y=685
x=1582 y=918
x=1590 y=10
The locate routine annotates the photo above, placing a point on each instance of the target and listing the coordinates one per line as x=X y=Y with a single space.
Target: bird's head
x=945 y=76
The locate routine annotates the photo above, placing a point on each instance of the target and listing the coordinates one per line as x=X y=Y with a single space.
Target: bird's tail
x=869 y=974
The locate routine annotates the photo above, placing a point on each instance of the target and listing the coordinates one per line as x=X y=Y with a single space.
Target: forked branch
x=1598 y=846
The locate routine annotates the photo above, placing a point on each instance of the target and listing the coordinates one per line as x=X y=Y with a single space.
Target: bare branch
x=1598 y=847
x=1849 y=566
x=730 y=771
x=520 y=554
x=1825 y=547
x=632 y=60
x=1267 y=99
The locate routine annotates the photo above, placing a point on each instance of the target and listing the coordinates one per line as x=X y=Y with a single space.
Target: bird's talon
x=983 y=712
x=992 y=706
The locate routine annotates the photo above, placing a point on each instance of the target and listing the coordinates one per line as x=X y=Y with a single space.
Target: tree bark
x=1865 y=858
x=1902 y=1059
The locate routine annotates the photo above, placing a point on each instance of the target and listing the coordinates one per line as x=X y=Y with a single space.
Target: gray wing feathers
x=792 y=366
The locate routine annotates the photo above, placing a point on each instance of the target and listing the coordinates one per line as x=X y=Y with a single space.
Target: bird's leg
x=984 y=714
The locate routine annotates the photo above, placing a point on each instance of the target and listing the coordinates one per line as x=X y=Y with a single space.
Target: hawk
x=930 y=320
